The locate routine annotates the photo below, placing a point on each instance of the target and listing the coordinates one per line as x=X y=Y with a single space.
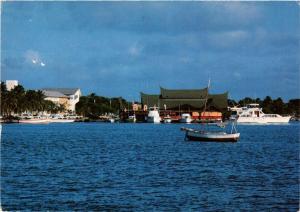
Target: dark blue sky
x=122 y=48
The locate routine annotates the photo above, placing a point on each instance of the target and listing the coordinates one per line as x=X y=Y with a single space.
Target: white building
x=11 y=84
x=66 y=96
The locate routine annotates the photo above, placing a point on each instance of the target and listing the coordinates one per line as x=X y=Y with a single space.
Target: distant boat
x=61 y=119
x=34 y=121
x=167 y=119
x=153 y=115
x=185 y=118
x=131 y=119
x=252 y=113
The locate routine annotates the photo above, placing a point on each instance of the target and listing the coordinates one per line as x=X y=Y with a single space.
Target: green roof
x=219 y=100
x=183 y=93
x=149 y=99
x=178 y=98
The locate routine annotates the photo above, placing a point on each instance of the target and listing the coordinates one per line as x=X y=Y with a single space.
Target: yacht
x=185 y=118
x=252 y=113
x=153 y=115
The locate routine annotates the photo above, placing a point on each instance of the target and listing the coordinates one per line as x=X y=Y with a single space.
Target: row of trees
x=93 y=106
x=270 y=105
x=19 y=100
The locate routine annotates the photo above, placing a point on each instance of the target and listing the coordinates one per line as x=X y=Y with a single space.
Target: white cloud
x=34 y=58
x=135 y=49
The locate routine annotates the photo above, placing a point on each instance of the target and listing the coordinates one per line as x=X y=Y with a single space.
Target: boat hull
x=33 y=121
x=61 y=120
x=153 y=119
x=211 y=137
x=263 y=120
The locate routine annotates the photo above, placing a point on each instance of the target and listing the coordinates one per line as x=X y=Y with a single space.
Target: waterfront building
x=65 y=96
x=184 y=99
x=11 y=84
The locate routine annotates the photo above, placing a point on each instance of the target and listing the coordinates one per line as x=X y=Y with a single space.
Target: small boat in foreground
x=196 y=135
x=209 y=135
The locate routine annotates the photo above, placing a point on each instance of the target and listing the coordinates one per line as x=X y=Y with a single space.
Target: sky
x=122 y=48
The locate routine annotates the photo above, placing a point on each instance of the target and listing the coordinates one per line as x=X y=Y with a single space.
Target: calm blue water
x=96 y=166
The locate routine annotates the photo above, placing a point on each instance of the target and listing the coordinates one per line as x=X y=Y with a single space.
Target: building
x=65 y=96
x=185 y=100
x=11 y=84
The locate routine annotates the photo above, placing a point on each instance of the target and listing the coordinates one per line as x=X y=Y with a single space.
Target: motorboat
x=34 y=120
x=185 y=118
x=153 y=115
x=167 y=119
x=61 y=119
x=252 y=113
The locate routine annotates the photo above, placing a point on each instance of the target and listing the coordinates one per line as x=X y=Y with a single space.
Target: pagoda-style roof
x=183 y=93
x=219 y=100
x=185 y=97
x=150 y=99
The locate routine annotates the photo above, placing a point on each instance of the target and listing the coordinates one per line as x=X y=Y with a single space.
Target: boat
x=216 y=136
x=205 y=134
x=131 y=119
x=252 y=113
x=185 y=118
x=57 y=118
x=34 y=121
x=153 y=115
x=167 y=119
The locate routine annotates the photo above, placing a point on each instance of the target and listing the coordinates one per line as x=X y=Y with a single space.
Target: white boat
x=252 y=113
x=209 y=135
x=57 y=118
x=34 y=121
x=167 y=119
x=185 y=118
x=153 y=115
x=196 y=135
x=61 y=120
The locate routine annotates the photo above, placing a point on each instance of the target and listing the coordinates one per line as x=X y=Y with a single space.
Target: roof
x=216 y=100
x=149 y=99
x=53 y=94
x=183 y=93
x=65 y=91
x=219 y=100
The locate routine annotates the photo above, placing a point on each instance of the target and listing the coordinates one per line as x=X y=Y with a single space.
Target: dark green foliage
x=93 y=106
x=18 y=100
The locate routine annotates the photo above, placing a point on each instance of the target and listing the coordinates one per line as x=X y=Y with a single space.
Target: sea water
x=138 y=167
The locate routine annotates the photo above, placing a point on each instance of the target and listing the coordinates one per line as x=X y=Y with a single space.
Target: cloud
x=34 y=58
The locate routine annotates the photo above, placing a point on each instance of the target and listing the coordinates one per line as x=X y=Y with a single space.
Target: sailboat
x=209 y=135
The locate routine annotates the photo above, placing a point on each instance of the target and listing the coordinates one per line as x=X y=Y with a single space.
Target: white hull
x=34 y=121
x=185 y=120
x=263 y=120
x=167 y=121
x=209 y=136
x=153 y=119
x=61 y=120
